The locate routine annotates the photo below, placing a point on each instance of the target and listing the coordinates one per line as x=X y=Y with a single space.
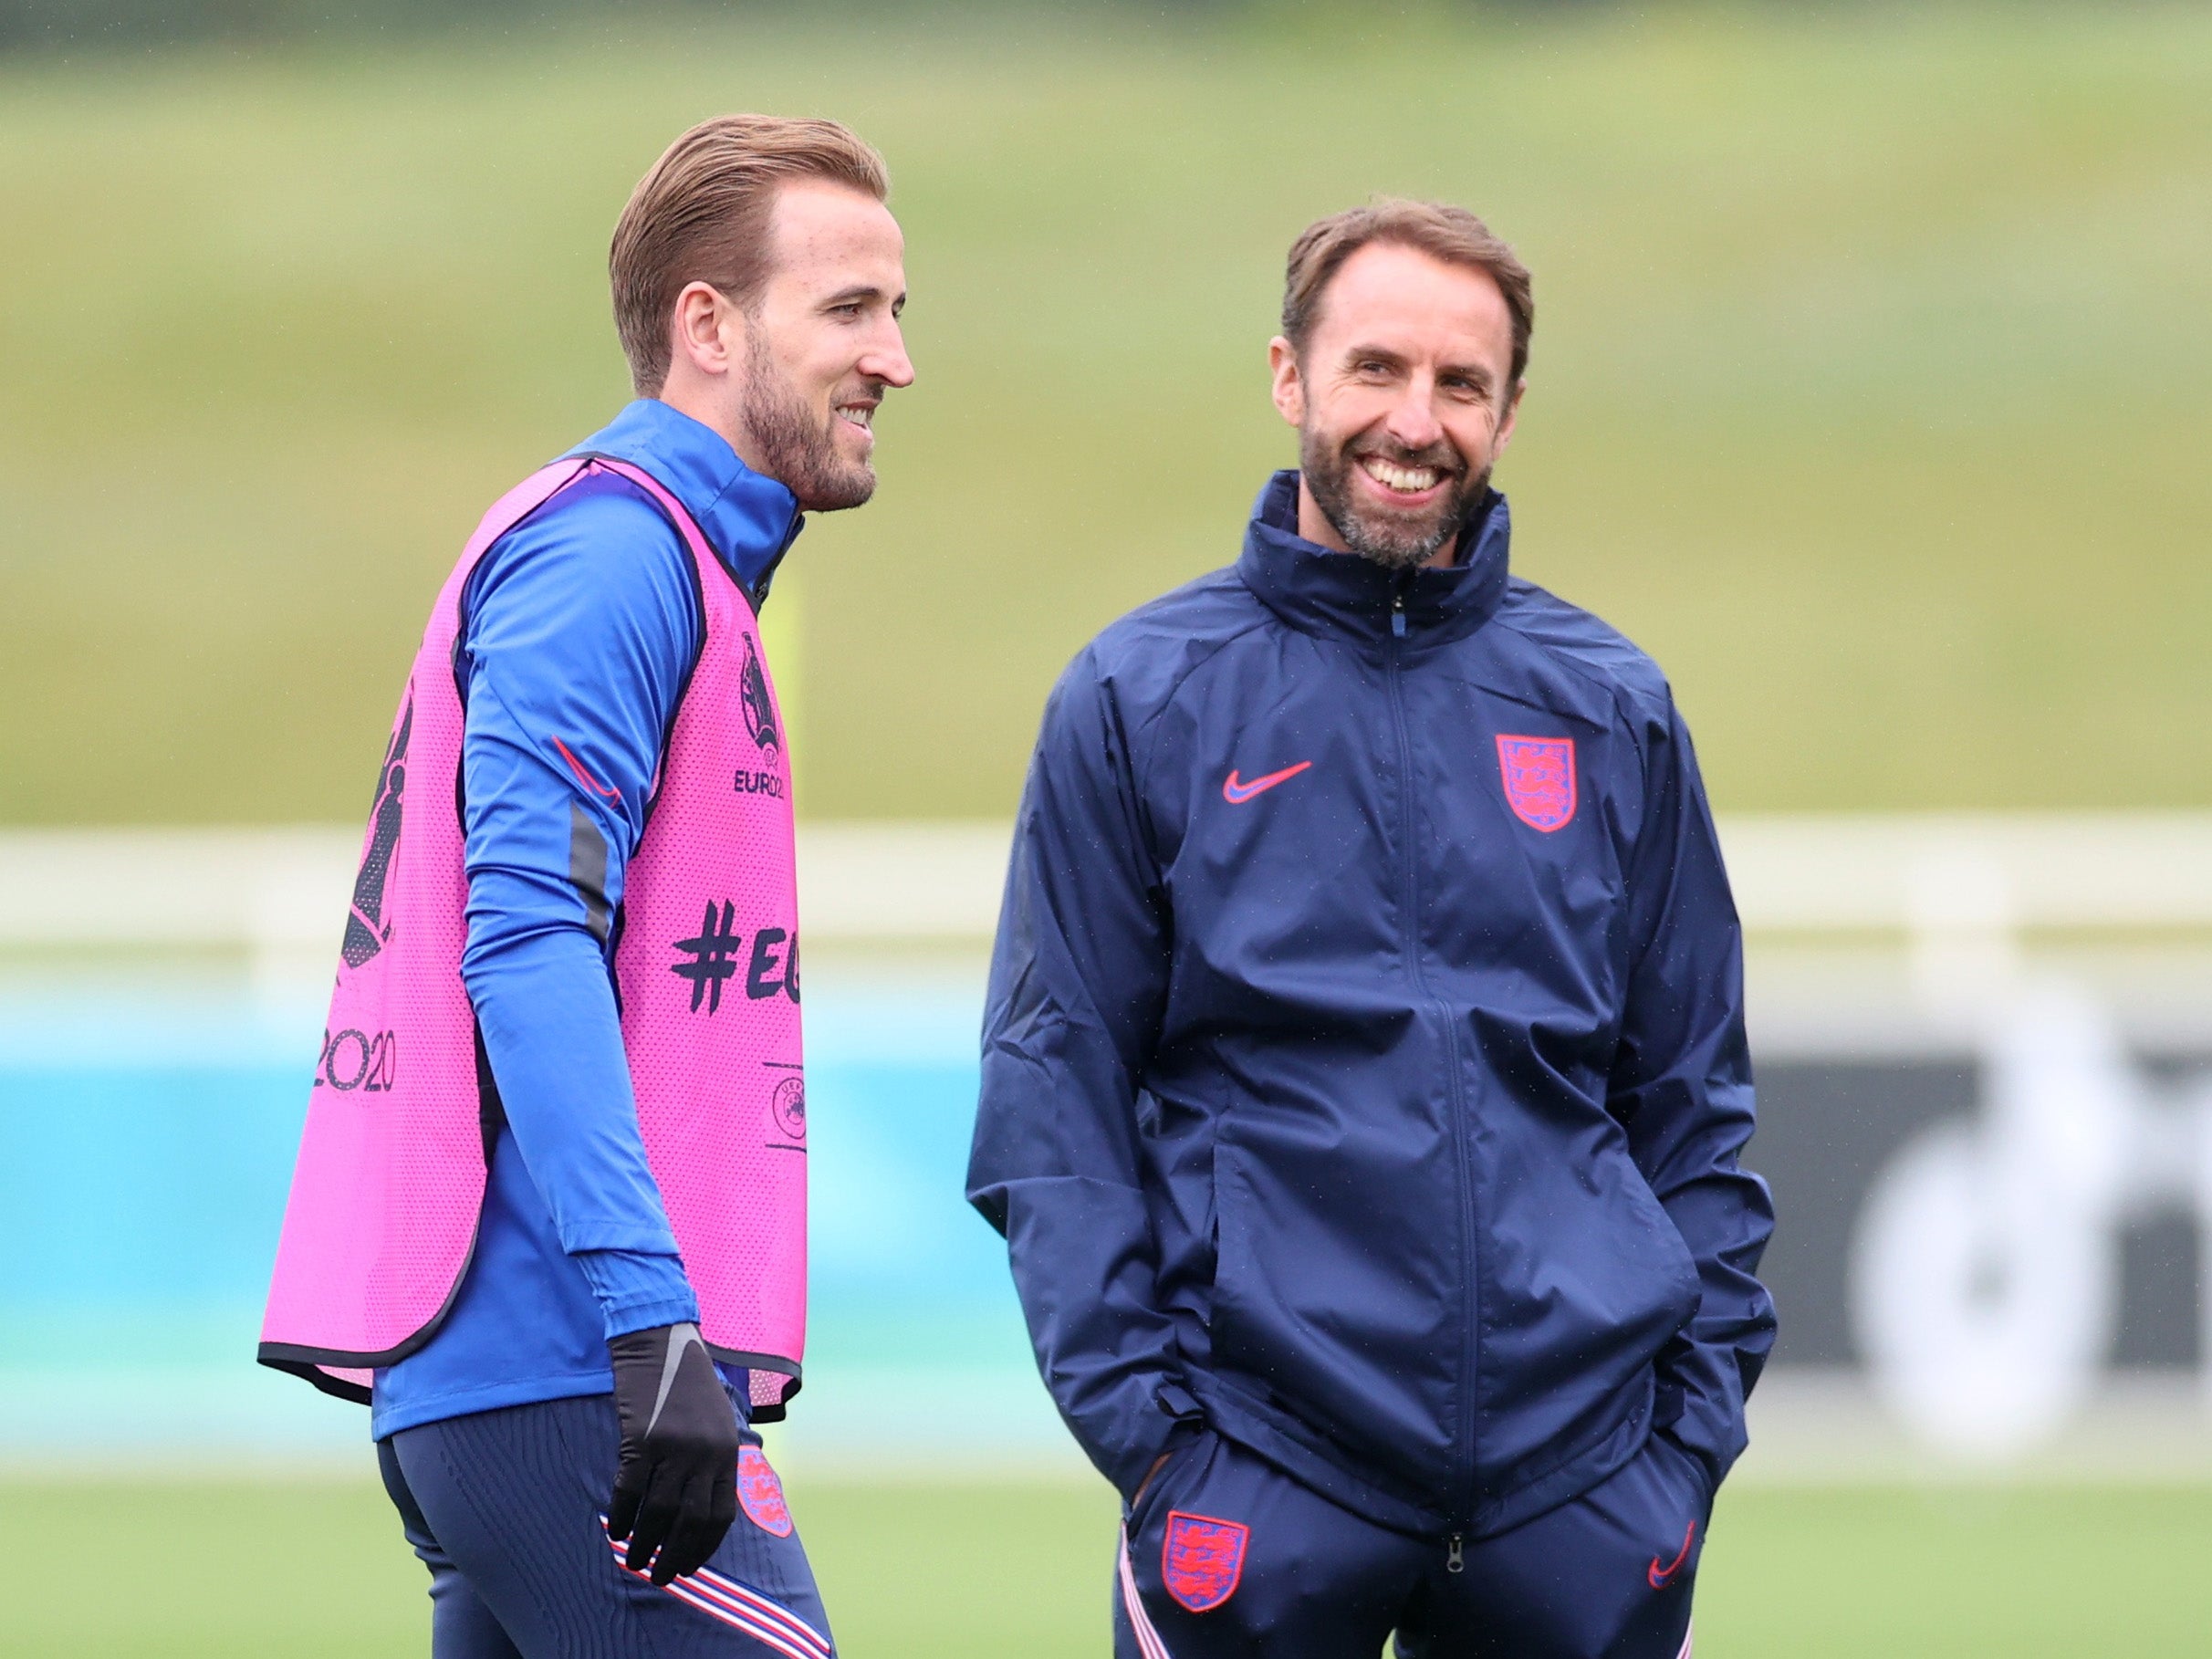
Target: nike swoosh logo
x=682 y=1338
x=583 y=777
x=1657 y=1576
x=1236 y=791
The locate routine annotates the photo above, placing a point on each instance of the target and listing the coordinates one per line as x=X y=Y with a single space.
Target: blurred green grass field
x=1873 y=379
x=136 y=1571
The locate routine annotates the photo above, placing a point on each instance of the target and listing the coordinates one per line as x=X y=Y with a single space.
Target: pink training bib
x=389 y=1181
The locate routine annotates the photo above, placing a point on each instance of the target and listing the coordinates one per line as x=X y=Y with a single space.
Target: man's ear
x=1290 y=388
x=706 y=331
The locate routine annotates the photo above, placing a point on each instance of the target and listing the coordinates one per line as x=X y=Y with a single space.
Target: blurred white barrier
x=203 y=887
x=901 y=880
x=1939 y=871
x=279 y=895
x=1923 y=874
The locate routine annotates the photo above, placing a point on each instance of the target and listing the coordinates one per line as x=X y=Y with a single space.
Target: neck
x=719 y=415
x=1313 y=525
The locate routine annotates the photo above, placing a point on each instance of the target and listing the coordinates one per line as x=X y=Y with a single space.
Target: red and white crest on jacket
x=1538 y=774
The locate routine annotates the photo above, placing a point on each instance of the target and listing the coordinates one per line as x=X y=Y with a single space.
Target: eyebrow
x=1476 y=373
x=1381 y=354
x=845 y=297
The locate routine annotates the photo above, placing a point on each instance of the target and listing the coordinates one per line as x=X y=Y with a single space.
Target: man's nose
x=886 y=361
x=1412 y=417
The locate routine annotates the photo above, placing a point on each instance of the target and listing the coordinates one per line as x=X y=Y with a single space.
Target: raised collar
x=1321 y=591
x=750 y=520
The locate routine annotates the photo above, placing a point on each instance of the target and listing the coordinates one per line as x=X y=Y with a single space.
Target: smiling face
x=824 y=343
x=1403 y=400
x=793 y=378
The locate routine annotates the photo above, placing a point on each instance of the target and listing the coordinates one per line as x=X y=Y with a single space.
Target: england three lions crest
x=1538 y=774
x=1201 y=1559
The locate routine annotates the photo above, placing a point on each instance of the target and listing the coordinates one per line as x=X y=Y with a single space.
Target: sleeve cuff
x=637 y=1291
x=648 y=1315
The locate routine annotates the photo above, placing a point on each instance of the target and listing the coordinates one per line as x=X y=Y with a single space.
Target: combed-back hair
x=702 y=214
x=1452 y=235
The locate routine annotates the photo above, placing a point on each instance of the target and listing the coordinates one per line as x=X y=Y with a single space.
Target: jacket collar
x=1321 y=591
x=750 y=520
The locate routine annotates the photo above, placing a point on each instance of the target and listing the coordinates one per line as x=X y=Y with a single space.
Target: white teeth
x=1408 y=480
x=859 y=414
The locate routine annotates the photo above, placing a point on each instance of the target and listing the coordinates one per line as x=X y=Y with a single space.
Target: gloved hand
x=676 y=1488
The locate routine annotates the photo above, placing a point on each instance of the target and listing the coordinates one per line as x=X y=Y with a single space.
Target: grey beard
x=793 y=449
x=1392 y=552
x=1393 y=555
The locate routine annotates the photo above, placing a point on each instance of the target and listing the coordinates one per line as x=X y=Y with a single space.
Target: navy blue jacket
x=1364 y=1067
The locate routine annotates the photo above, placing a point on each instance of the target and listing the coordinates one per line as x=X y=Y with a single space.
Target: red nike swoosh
x=1656 y=1575
x=1236 y=791
x=583 y=777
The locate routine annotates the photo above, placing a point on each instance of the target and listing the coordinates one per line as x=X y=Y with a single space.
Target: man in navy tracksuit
x=1365 y=1071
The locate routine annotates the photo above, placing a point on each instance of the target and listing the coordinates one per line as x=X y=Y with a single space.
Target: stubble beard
x=1395 y=543
x=796 y=448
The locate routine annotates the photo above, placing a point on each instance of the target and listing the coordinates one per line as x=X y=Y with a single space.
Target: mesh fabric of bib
x=391 y=1177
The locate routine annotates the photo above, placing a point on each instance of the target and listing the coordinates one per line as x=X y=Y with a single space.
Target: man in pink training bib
x=549 y=1215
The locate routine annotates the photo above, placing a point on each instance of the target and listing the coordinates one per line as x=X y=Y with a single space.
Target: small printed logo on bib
x=759 y=707
x=1202 y=1560
x=367 y=931
x=761 y=1493
x=789 y=1105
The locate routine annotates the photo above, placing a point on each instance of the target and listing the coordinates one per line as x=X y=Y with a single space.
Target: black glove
x=676 y=1489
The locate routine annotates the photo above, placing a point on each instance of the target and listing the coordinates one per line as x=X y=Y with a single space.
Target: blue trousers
x=505 y=1508
x=1224 y=1554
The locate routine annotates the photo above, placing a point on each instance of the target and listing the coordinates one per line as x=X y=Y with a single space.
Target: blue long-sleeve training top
x=578 y=629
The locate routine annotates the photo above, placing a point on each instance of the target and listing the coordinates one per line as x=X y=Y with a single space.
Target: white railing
x=282 y=889
x=278 y=896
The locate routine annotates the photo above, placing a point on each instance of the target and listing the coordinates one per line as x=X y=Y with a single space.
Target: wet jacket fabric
x=1364 y=1067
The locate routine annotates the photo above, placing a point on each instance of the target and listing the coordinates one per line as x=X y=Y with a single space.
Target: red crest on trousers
x=1539 y=779
x=1201 y=1559
x=761 y=1493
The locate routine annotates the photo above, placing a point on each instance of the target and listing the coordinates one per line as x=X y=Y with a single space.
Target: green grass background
x=1871 y=390
x=917 y=1571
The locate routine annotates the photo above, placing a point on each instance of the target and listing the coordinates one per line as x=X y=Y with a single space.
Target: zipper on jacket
x=1455 y=1559
x=1462 y=1504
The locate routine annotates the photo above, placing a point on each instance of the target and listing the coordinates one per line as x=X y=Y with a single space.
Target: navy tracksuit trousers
x=505 y=1507
x=1225 y=1555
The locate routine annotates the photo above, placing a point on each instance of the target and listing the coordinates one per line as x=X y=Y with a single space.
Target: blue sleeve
x=1681 y=1087
x=1079 y=982
x=581 y=627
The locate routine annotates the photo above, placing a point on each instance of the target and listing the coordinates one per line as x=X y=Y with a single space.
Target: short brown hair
x=1451 y=235
x=702 y=214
